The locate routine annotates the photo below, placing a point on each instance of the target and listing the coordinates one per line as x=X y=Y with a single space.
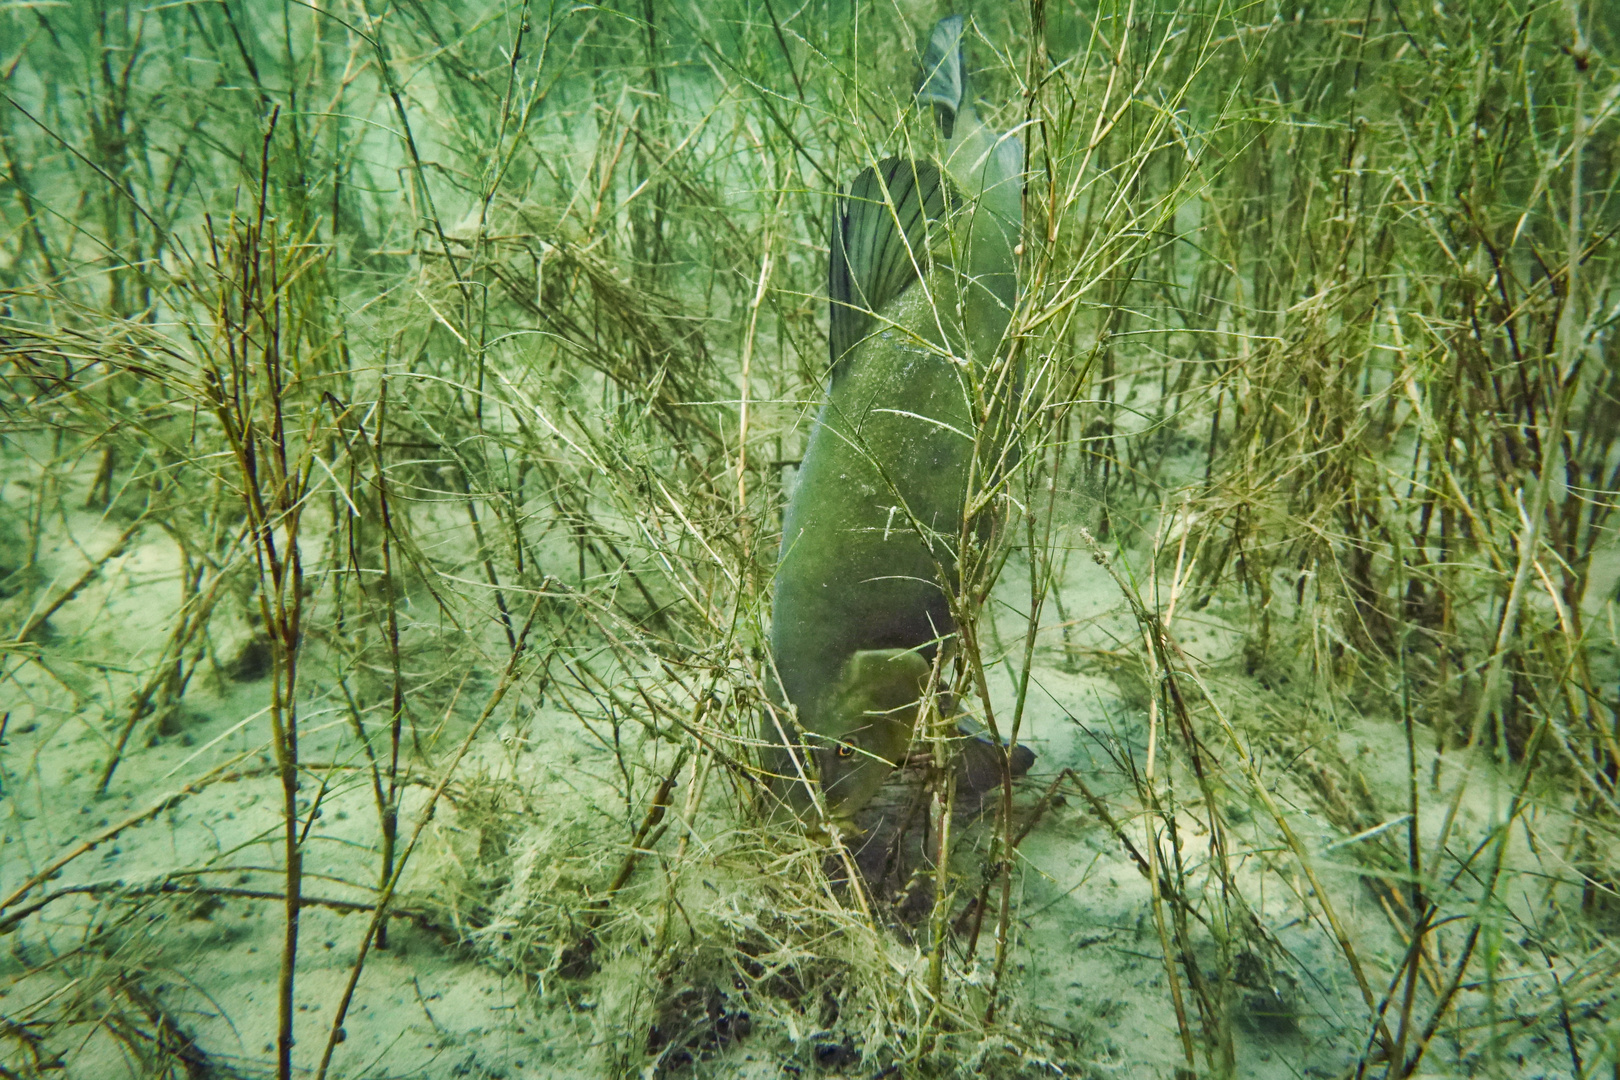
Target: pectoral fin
x=981 y=763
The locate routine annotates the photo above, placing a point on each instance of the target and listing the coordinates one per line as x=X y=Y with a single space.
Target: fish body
x=922 y=280
x=859 y=610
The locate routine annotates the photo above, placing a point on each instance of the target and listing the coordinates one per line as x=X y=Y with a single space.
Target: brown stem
x=193 y=618
x=39 y=618
x=386 y=895
x=85 y=846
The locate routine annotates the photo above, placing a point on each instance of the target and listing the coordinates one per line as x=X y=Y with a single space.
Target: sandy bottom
x=1086 y=973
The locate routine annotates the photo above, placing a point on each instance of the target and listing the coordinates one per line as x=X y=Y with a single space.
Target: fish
x=922 y=280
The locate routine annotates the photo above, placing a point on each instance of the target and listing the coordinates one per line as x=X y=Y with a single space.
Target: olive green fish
x=921 y=281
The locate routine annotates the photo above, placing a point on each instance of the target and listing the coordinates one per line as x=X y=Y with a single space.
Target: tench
x=921 y=282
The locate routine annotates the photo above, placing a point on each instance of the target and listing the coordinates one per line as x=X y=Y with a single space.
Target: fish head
x=868 y=726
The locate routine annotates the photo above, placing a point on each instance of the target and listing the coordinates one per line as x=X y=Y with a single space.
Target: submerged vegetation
x=398 y=403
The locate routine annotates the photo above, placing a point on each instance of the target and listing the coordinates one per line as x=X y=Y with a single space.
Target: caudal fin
x=944 y=75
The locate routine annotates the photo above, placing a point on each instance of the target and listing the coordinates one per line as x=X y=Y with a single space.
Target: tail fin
x=879 y=244
x=944 y=78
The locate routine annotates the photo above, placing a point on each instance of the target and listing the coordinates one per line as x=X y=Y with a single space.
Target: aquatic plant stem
x=1038 y=546
x=40 y=616
x=193 y=619
x=1533 y=514
x=745 y=378
x=944 y=805
x=1162 y=646
x=396 y=707
x=84 y=847
x=386 y=894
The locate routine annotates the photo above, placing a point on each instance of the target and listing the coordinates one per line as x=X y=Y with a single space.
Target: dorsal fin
x=944 y=75
x=879 y=244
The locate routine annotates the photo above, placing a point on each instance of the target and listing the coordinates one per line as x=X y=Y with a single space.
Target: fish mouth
x=843 y=836
x=837 y=825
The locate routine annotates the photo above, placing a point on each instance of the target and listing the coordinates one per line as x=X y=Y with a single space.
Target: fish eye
x=845 y=750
